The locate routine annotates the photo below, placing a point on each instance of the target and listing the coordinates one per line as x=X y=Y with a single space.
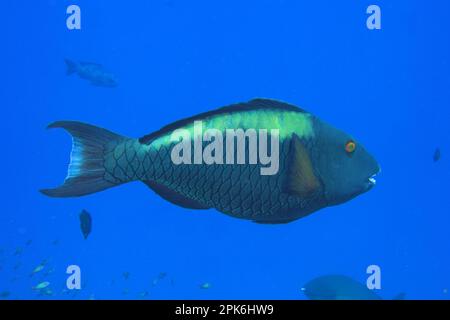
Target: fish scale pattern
x=238 y=190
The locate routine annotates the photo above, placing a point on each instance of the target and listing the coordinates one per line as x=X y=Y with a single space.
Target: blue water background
x=389 y=88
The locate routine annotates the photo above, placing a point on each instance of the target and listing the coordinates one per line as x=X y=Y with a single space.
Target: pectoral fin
x=300 y=178
x=173 y=196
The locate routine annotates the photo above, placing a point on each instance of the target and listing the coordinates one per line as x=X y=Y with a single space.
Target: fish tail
x=71 y=66
x=86 y=172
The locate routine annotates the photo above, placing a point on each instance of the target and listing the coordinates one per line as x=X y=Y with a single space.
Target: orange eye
x=350 y=147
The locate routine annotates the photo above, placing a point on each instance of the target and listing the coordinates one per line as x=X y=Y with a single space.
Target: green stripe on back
x=288 y=122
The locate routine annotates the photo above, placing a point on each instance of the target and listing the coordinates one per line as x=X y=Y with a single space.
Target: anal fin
x=174 y=197
x=280 y=221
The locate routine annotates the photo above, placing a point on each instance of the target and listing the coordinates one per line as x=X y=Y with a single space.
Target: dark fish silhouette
x=338 y=287
x=93 y=72
x=18 y=251
x=437 y=155
x=85 y=223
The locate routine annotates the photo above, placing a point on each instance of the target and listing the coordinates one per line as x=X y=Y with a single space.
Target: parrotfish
x=85 y=223
x=93 y=72
x=37 y=269
x=300 y=165
x=338 y=287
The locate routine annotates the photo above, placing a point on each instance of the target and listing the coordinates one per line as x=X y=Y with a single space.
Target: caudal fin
x=86 y=169
x=71 y=66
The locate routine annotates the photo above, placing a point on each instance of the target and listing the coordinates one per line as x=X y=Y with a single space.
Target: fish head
x=322 y=288
x=344 y=165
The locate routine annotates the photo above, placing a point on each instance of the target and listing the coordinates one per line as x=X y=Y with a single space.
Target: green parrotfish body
x=300 y=164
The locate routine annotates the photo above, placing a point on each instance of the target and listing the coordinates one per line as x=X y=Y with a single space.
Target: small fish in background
x=18 y=251
x=160 y=276
x=5 y=294
x=338 y=287
x=29 y=242
x=41 y=285
x=85 y=223
x=205 y=285
x=46 y=292
x=39 y=268
x=93 y=72
x=437 y=155
x=126 y=275
x=143 y=294
x=55 y=242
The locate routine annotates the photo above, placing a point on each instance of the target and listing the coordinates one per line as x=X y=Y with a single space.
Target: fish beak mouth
x=371 y=181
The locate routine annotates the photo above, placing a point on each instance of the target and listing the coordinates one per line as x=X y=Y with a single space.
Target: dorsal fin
x=255 y=104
